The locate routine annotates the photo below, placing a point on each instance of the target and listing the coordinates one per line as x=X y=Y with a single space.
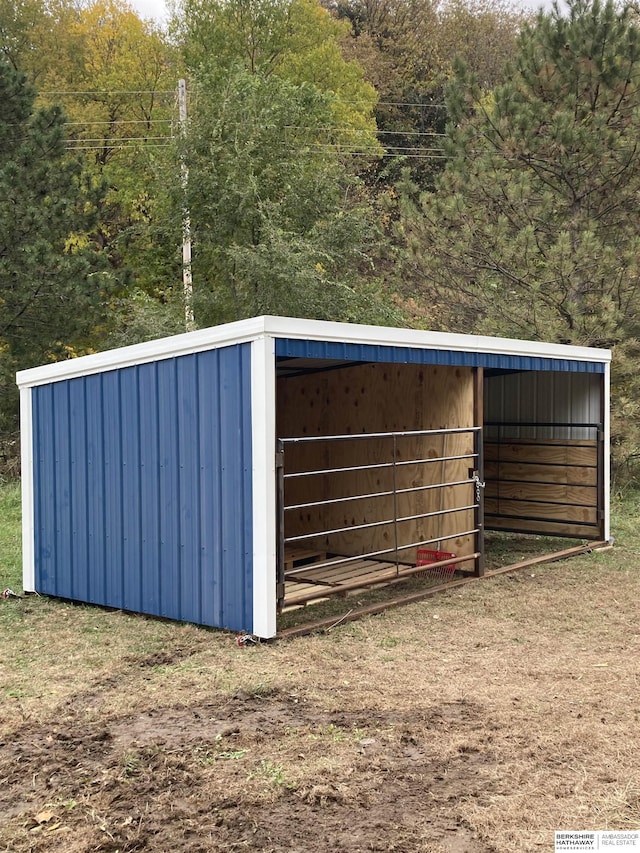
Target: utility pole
x=187 y=278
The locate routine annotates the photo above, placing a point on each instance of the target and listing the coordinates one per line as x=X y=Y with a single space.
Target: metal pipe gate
x=377 y=497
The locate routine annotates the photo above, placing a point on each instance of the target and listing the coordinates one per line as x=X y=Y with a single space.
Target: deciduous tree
x=279 y=224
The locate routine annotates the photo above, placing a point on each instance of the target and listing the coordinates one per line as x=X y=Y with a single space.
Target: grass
x=10 y=537
x=481 y=719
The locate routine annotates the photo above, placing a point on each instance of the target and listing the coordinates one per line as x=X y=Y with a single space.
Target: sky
x=157 y=9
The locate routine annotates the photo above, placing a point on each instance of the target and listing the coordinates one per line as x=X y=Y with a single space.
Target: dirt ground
x=477 y=721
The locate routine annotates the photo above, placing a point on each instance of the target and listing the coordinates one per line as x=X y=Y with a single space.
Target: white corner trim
x=263 y=430
x=26 y=463
x=161 y=348
x=607 y=453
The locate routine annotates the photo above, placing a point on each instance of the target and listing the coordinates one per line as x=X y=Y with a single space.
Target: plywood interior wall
x=377 y=398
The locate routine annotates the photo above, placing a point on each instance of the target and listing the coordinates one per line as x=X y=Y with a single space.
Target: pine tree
x=51 y=279
x=533 y=230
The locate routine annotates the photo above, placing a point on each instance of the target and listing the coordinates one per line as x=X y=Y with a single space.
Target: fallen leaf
x=45 y=816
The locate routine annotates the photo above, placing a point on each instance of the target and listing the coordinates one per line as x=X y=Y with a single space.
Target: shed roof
x=322 y=339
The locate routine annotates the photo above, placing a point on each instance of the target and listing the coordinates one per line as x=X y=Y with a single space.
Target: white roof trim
x=243 y=331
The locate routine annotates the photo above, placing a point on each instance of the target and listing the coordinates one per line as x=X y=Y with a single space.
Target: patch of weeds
x=339 y=734
x=15 y=693
x=389 y=642
x=130 y=765
x=10 y=537
x=271 y=773
x=205 y=756
x=232 y=755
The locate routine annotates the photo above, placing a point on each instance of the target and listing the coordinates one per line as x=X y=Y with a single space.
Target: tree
x=31 y=32
x=533 y=228
x=52 y=282
x=408 y=49
x=294 y=40
x=280 y=222
x=279 y=225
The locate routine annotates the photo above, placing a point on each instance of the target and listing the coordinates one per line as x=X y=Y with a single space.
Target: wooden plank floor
x=335 y=579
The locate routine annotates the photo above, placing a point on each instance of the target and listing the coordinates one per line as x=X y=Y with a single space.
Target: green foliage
x=124 y=72
x=279 y=225
x=408 y=48
x=533 y=229
x=295 y=40
x=10 y=537
x=52 y=282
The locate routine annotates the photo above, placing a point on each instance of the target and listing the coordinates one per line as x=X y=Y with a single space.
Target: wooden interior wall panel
x=547 y=486
x=539 y=473
x=374 y=398
x=547 y=493
x=542 y=528
x=579 y=453
x=535 y=510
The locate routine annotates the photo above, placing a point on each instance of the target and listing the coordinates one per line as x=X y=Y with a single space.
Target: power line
x=111 y=147
x=110 y=92
x=107 y=142
x=120 y=121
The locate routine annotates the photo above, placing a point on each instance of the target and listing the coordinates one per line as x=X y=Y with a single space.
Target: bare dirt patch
x=200 y=778
x=475 y=722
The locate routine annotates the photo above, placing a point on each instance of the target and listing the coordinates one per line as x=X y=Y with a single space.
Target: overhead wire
x=123 y=142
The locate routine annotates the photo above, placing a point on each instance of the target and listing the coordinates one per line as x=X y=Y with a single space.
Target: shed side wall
x=142 y=488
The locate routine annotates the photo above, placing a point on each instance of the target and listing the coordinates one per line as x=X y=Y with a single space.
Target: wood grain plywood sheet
x=378 y=398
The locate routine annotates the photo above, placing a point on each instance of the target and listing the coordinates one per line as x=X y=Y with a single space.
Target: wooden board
x=545 y=511
x=583 y=454
x=549 y=528
x=362 y=573
x=543 y=486
x=540 y=473
x=548 y=493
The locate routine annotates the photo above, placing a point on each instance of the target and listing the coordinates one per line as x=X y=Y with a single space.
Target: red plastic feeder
x=425 y=557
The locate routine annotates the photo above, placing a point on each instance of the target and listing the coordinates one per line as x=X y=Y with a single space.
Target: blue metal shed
x=150 y=472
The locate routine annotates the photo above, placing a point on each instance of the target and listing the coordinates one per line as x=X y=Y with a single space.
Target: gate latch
x=480 y=484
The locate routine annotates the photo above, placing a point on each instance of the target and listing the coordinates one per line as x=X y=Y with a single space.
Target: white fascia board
x=320 y=330
x=26 y=462
x=229 y=334
x=287 y=327
x=263 y=427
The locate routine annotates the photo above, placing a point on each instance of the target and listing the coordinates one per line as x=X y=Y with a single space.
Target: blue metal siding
x=295 y=348
x=142 y=480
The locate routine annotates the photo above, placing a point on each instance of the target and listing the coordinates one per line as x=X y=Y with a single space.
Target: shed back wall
x=142 y=482
x=378 y=398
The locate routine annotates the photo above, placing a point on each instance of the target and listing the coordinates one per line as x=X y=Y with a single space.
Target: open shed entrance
x=390 y=471
x=379 y=467
x=544 y=452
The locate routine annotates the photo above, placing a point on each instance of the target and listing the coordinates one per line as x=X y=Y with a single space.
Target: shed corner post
x=26 y=479
x=606 y=452
x=478 y=473
x=263 y=419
